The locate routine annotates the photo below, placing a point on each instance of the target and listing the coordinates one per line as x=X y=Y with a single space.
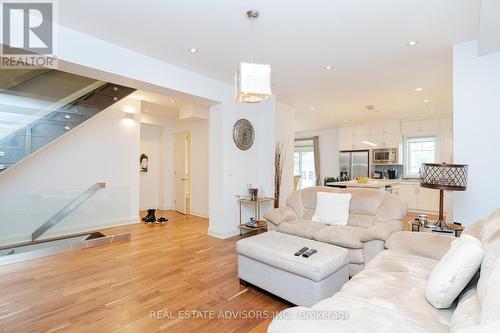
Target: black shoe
x=162 y=220
x=148 y=215
x=150 y=218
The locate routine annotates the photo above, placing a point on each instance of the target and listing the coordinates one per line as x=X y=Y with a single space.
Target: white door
x=180 y=172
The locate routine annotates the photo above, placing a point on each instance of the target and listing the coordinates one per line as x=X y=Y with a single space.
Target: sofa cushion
x=332 y=208
x=398 y=262
x=276 y=249
x=359 y=220
x=467 y=312
x=364 y=201
x=454 y=271
x=344 y=235
x=301 y=228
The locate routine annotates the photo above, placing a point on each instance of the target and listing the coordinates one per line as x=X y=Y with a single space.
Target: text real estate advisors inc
x=248 y=314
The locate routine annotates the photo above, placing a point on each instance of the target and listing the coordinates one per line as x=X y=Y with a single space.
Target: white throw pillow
x=454 y=271
x=332 y=208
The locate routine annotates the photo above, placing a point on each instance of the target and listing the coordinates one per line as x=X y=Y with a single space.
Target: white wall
x=199 y=163
x=328 y=148
x=150 y=182
x=476 y=100
x=285 y=135
x=103 y=149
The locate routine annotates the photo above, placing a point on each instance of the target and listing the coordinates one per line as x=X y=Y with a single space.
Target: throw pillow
x=454 y=271
x=332 y=208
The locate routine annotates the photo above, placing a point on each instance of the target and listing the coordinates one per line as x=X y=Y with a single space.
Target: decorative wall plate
x=243 y=134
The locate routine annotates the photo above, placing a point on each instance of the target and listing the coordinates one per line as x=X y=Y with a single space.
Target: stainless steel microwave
x=385 y=156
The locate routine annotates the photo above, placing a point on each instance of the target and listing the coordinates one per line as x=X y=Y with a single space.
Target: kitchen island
x=380 y=184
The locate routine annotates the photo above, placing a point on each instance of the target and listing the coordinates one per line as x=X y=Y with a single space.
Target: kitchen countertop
x=372 y=183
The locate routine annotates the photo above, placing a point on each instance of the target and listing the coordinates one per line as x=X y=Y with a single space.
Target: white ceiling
x=364 y=40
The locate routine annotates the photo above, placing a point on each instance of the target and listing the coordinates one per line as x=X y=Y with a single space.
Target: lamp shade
x=451 y=177
x=253 y=82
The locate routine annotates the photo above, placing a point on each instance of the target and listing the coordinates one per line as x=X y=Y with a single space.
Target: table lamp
x=443 y=177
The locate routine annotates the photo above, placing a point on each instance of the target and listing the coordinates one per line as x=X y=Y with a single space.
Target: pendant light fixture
x=253 y=81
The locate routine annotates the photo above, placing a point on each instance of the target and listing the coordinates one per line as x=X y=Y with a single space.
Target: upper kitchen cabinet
x=420 y=126
x=362 y=130
x=385 y=134
x=354 y=137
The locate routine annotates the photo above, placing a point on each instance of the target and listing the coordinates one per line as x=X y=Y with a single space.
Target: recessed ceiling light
x=431 y=109
x=426 y=101
x=345 y=121
x=312 y=108
x=171 y=101
x=328 y=68
x=419 y=89
x=412 y=43
x=193 y=50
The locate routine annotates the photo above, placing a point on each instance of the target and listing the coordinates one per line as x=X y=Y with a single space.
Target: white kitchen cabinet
x=362 y=130
x=428 y=199
x=429 y=125
x=392 y=127
x=410 y=127
x=377 y=128
x=419 y=198
x=346 y=143
x=391 y=140
x=385 y=134
x=346 y=132
x=408 y=193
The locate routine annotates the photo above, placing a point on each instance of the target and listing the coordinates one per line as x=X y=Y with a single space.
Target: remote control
x=309 y=253
x=302 y=250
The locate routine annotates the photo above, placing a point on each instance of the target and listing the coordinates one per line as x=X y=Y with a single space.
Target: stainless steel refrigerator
x=354 y=164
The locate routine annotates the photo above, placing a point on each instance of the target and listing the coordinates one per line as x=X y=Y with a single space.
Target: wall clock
x=243 y=134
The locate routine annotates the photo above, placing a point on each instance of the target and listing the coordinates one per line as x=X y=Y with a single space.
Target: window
x=303 y=162
x=419 y=150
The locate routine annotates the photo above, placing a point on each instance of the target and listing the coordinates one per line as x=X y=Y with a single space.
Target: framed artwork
x=144 y=161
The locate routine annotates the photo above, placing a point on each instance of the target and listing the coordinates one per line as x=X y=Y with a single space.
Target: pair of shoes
x=150 y=217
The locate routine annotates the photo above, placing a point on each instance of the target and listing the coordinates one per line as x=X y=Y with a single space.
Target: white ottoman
x=267 y=261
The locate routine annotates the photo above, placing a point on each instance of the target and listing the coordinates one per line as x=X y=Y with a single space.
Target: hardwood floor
x=175 y=269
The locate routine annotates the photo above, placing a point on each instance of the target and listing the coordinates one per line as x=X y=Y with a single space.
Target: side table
x=257 y=202
x=417 y=227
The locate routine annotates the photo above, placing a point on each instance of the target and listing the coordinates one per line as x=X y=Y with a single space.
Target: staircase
x=38 y=106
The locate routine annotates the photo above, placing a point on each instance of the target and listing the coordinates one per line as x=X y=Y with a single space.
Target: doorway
x=182 y=172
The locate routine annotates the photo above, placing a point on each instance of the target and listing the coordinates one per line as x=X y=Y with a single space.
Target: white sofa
x=389 y=294
x=373 y=216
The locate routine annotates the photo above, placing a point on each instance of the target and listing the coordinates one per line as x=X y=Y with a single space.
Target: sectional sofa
x=389 y=294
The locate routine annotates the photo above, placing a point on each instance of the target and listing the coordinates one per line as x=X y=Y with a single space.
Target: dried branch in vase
x=279 y=161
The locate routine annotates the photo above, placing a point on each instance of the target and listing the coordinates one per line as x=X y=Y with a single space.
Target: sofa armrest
x=424 y=244
x=279 y=215
x=382 y=230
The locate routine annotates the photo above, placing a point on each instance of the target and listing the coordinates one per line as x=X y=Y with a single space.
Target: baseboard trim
x=198 y=214
x=223 y=234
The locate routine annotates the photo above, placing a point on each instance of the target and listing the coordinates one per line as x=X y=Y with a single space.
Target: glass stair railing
x=38 y=106
x=41 y=223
